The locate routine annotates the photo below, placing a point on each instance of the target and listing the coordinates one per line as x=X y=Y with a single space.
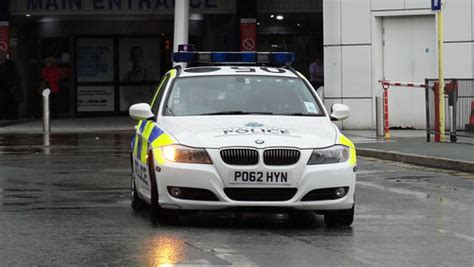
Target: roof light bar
x=275 y=58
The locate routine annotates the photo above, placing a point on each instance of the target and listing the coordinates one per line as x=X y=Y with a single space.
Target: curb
x=16 y=122
x=434 y=162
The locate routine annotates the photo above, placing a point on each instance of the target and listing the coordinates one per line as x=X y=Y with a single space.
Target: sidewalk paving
x=5 y=123
x=410 y=146
x=75 y=125
x=407 y=146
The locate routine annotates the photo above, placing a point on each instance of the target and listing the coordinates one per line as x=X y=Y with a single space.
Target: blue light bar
x=185 y=57
x=233 y=57
x=282 y=57
x=272 y=58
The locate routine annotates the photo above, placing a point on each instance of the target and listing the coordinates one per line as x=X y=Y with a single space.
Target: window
x=212 y=95
x=158 y=95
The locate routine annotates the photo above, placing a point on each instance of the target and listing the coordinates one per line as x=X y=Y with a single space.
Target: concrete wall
x=353 y=53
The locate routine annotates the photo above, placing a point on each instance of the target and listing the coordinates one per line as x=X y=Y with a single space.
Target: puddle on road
x=410 y=178
x=20 y=150
x=11 y=144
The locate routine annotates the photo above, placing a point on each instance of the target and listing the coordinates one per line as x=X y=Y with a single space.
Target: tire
x=136 y=202
x=339 y=218
x=158 y=215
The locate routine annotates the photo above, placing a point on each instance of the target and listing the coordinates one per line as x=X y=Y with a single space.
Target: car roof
x=237 y=70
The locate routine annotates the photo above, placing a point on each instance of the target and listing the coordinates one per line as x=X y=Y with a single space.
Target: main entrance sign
x=84 y=7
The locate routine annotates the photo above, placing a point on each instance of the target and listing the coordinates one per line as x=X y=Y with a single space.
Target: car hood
x=251 y=131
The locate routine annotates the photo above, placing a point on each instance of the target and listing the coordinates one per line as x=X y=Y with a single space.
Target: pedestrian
x=316 y=73
x=10 y=90
x=51 y=76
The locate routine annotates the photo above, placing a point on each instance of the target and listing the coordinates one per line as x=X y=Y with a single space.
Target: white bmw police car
x=230 y=136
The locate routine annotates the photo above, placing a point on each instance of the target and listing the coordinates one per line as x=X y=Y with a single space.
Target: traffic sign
x=248 y=44
x=248 y=34
x=435 y=5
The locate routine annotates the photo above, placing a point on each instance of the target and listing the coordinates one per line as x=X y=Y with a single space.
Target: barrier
x=386 y=85
x=459 y=108
x=470 y=125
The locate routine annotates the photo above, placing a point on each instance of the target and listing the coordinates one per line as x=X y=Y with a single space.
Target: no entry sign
x=248 y=34
x=4 y=34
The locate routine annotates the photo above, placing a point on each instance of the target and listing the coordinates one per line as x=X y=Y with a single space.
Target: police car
x=244 y=130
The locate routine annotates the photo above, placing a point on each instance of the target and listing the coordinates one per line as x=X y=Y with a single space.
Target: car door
x=142 y=143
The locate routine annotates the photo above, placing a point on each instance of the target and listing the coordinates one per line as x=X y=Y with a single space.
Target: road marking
x=394 y=190
x=456 y=234
x=224 y=252
x=463 y=236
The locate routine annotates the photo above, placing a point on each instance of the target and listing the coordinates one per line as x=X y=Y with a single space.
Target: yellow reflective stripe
x=135 y=144
x=299 y=74
x=145 y=135
x=157 y=154
x=157 y=91
x=345 y=141
x=137 y=136
x=172 y=74
x=163 y=140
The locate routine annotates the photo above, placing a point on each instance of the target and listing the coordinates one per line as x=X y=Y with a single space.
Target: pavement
x=68 y=204
x=5 y=123
x=408 y=146
x=75 y=125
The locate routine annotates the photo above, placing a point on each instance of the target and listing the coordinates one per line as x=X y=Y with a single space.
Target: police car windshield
x=241 y=95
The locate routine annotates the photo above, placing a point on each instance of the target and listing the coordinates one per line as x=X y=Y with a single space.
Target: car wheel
x=339 y=218
x=137 y=203
x=158 y=215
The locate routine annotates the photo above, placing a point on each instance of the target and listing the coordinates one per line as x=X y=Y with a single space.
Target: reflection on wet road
x=64 y=201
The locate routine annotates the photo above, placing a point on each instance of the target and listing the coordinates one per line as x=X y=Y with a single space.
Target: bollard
x=452 y=124
x=379 y=122
x=46 y=117
x=46 y=143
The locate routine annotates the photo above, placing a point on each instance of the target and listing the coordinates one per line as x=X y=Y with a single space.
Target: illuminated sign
x=80 y=7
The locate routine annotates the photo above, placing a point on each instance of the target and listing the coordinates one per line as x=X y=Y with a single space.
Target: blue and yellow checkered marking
x=149 y=135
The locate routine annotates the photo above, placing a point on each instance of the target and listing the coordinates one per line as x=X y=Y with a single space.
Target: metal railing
x=459 y=102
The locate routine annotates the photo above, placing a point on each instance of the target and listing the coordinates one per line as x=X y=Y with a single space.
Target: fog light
x=175 y=192
x=340 y=192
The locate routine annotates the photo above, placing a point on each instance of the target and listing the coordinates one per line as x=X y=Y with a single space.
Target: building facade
x=369 y=40
x=112 y=53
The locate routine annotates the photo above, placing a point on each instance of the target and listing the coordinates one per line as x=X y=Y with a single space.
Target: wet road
x=64 y=201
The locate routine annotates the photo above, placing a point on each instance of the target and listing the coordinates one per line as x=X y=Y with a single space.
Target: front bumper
x=215 y=178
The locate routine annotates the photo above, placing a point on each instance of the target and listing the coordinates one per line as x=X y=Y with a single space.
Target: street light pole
x=181 y=25
x=442 y=115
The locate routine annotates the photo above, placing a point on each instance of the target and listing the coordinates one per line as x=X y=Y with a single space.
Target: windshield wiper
x=237 y=112
x=169 y=110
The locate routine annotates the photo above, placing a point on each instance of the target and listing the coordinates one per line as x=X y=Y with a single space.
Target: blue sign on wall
x=435 y=5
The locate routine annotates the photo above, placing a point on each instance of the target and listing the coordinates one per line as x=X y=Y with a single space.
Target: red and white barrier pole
x=385 y=86
x=386 y=128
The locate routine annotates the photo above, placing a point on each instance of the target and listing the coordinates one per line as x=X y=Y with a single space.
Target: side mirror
x=339 y=112
x=141 y=111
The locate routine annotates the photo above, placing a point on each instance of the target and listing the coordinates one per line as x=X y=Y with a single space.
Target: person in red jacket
x=51 y=75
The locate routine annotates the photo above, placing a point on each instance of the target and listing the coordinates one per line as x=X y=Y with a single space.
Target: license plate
x=245 y=177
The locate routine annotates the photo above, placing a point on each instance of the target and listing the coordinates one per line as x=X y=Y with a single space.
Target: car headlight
x=334 y=154
x=183 y=154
